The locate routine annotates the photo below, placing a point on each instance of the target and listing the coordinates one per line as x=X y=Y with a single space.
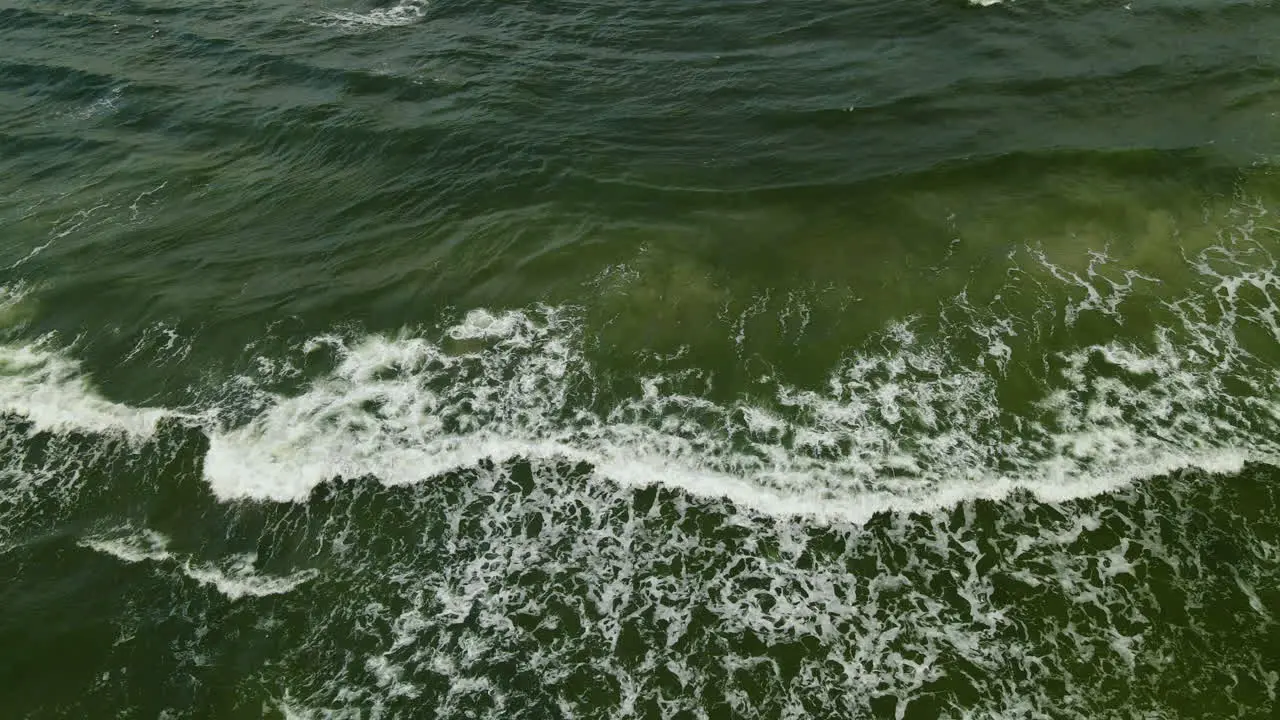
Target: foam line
x=235 y=577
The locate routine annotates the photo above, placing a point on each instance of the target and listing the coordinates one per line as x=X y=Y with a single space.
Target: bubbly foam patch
x=587 y=600
x=47 y=387
x=404 y=12
x=235 y=577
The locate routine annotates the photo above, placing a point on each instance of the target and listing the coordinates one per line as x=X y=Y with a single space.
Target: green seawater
x=597 y=359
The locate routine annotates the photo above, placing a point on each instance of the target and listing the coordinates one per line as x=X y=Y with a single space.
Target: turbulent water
x=597 y=359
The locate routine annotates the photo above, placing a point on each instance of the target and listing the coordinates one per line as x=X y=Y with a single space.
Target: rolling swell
x=341 y=111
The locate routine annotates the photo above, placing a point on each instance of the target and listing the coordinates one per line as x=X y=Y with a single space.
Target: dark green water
x=597 y=359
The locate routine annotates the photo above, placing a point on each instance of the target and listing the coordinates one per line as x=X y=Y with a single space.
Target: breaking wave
x=918 y=418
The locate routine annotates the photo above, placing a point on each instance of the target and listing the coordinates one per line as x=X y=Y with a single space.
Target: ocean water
x=597 y=359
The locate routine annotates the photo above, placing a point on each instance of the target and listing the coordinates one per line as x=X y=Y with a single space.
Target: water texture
x=591 y=359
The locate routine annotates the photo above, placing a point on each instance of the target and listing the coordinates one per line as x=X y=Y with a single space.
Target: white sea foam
x=133 y=547
x=884 y=611
x=404 y=12
x=48 y=387
x=235 y=577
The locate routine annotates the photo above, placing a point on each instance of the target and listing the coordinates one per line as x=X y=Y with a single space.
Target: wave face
x=640 y=360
